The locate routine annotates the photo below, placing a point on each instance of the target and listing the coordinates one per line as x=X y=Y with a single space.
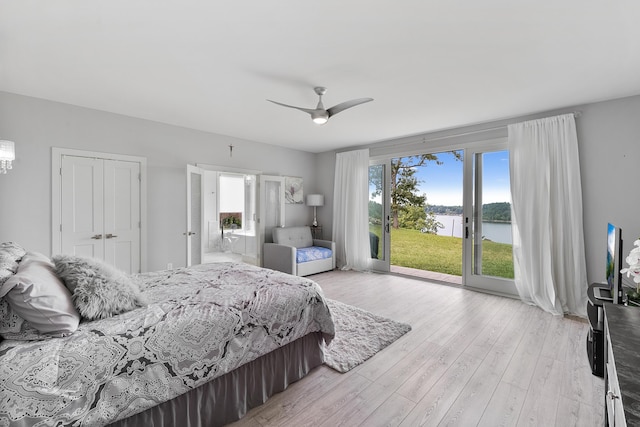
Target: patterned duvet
x=201 y=322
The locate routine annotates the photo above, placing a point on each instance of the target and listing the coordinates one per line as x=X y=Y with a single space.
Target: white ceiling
x=429 y=65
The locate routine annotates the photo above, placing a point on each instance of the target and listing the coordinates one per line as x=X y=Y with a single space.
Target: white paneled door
x=100 y=210
x=122 y=214
x=82 y=207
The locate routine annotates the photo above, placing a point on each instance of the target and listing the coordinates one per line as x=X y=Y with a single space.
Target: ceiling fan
x=320 y=115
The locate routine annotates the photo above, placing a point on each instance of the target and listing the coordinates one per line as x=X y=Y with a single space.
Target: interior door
x=100 y=210
x=122 y=214
x=486 y=177
x=82 y=206
x=379 y=217
x=193 y=233
x=270 y=208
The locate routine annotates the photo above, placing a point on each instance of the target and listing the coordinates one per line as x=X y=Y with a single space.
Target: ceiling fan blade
x=347 y=104
x=306 y=110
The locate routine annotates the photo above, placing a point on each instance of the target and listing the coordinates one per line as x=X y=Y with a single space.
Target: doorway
x=221 y=216
x=426 y=215
x=445 y=215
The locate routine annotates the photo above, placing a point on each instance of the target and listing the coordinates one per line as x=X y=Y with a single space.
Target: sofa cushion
x=312 y=253
x=298 y=237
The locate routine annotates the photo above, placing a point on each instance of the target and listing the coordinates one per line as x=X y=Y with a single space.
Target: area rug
x=359 y=335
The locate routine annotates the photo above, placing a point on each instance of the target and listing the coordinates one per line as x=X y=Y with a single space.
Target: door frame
x=57 y=154
x=211 y=168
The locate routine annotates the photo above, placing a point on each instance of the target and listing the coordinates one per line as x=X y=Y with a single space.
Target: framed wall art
x=293 y=190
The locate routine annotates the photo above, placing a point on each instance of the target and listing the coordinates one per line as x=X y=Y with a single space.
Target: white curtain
x=351 y=210
x=548 y=240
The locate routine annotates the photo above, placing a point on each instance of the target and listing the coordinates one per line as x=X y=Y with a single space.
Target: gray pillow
x=98 y=290
x=37 y=295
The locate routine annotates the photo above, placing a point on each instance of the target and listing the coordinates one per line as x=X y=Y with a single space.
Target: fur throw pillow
x=98 y=290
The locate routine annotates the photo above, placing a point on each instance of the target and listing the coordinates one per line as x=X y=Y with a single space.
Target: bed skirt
x=228 y=398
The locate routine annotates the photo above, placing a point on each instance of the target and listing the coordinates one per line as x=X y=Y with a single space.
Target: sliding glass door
x=488 y=251
x=379 y=216
x=445 y=215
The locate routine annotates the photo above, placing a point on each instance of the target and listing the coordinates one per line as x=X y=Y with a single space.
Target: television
x=613 y=291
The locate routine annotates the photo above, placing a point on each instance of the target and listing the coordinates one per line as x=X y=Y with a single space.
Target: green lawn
x=443 y=254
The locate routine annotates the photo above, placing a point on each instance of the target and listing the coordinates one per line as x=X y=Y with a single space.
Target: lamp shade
x=315 y=200
x=7 y=150
x=7 y=155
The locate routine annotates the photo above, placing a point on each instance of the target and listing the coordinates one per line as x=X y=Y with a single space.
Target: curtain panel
x=546 y=192
x=351 y=210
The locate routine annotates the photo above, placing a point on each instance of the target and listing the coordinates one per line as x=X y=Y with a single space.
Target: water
x=496 y=232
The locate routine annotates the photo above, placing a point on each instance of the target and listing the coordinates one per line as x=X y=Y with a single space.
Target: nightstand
x=316 y=232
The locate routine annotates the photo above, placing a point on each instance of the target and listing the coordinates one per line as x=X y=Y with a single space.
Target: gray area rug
x=359 y=335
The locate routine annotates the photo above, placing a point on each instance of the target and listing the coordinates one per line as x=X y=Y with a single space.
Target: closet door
x=122 y=214
x=82 y=206
x=100 y=210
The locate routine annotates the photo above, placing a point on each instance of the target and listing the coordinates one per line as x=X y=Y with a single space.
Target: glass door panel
x=487 y=221
x=379 y=184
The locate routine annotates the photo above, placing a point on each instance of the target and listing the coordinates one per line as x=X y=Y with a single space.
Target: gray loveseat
x=296 y=252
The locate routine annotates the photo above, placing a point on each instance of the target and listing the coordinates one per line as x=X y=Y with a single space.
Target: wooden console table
x=622 y=365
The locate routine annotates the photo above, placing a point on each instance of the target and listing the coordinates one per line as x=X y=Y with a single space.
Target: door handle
x=97 y=237
x=189 y=233
x=111 y=236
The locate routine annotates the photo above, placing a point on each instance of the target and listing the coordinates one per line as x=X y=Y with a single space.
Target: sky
x=443 y=183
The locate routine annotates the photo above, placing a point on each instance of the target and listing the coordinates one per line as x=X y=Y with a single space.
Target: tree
x=404 y=192
x=413 y=217
x=404 y=186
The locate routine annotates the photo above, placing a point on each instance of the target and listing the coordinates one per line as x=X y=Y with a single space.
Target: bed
x=204 y=345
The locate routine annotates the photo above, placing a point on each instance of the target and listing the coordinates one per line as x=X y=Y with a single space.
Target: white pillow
x=98 y=290
x=36 y=295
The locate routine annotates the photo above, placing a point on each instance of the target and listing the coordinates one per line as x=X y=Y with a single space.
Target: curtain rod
x=576 y=114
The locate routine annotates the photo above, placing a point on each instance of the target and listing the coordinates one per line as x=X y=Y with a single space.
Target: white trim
x=228 y=169
x=419 y=147
x=56 y=188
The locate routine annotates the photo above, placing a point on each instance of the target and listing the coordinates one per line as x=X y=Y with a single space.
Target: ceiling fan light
x=320 y=118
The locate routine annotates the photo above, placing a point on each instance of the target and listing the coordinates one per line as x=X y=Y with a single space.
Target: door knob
x=97 y=237
x=189 y=233
x=111 y=236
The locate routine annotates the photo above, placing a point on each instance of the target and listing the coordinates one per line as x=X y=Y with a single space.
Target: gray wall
x=609 y=139
x=609 y=146
x=36 y=125
x=608 y=134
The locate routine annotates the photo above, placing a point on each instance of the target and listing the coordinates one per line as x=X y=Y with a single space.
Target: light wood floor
x=471 y=359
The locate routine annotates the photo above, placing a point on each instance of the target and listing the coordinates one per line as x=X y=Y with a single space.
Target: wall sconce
x=7 y=155
x=315 y=200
